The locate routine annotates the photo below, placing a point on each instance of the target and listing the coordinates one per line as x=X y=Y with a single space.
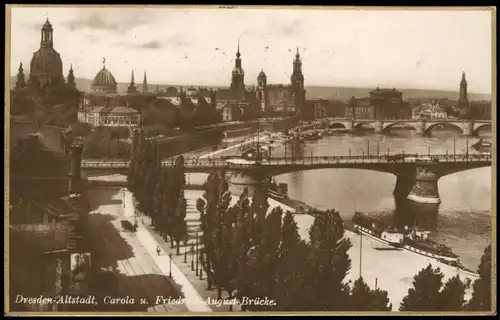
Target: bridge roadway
x=280 y=165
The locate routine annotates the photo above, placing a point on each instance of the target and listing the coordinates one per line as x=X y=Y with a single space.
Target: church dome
x=46 y=61
x=262 y=74
x=47 y=26
x=105 y=81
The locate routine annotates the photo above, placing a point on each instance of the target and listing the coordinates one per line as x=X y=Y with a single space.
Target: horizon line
x=307 y=85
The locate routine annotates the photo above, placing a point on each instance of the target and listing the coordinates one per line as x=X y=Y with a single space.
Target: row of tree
x=249 y=253
x=159 y=191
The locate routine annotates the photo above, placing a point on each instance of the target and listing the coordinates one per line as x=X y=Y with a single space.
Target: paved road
x=138 y=272
x=194 y=302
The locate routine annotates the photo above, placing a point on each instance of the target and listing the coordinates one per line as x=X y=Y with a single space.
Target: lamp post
x=201 y=266
x=185 y=251
x=170 y=268
x=454 y=148
x=192 y=256
x=286 y=147
x=349 y=153
x=368 y=148
x=196 y=254
x=378 y=147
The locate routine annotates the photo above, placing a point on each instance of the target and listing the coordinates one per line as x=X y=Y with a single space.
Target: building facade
x=108 y=116
x=382 y=104
x=429 y=111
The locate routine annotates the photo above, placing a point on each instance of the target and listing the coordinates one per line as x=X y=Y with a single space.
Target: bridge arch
x=364 y=125
x=391 y=125
x=481 y=126
x=429 y=128
x=337 y=125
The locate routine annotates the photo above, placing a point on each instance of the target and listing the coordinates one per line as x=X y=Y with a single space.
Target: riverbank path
x=193 y=301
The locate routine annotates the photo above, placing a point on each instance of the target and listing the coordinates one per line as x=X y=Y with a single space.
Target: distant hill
x=318 y=92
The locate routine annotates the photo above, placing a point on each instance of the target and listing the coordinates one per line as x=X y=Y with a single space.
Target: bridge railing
x=276 y=161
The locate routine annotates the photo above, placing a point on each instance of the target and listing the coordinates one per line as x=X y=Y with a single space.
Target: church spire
x=131 y=88
x=20 y=83
x=238 y=75
x=145 y=83
x=71 y=77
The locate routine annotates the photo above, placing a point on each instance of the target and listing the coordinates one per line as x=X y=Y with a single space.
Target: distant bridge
x=422 y=126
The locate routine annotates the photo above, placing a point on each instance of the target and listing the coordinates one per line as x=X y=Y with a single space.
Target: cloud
x=107 y=20
x=153 y=44
x=290 y=29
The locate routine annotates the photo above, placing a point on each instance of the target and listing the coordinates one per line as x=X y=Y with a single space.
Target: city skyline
x=186 y=53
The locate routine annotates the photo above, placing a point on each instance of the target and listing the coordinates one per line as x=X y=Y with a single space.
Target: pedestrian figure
x=158 y=250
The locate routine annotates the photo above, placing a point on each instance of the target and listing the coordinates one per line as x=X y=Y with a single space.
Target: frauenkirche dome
x=46 y=64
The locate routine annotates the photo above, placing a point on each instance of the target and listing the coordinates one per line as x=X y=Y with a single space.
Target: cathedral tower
x=463 y=102
x=20 y=82
x=238 y=75
x=297 y=84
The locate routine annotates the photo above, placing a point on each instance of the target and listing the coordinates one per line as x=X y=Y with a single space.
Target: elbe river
x=463 y=219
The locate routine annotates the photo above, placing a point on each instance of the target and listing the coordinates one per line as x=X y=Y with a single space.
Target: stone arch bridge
x=422 y=126
x=417 y=175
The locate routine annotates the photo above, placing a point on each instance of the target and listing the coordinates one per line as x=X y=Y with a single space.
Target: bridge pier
x=238 y=181
x=379 y=126
x=403 y=186
x=425 y=188
x=420 y=128
x=468 y=129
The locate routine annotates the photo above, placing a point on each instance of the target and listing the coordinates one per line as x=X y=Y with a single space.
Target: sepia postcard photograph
x=249 y=160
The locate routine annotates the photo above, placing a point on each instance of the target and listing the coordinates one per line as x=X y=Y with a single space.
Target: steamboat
x=418 y=242
x=387 y=238
x=411 y=240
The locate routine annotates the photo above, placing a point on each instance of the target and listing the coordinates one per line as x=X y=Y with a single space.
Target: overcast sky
x=406 y=49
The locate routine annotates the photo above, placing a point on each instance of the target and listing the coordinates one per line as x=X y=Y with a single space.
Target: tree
x=179 y=230
x=264 y=260
x=215 y=202
x=425 y=295
x=327 y=265
x=177 y=214
x=452 y=295
x=365 y=299
x=481 y=295
x=292 y=254
x=241 y=244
